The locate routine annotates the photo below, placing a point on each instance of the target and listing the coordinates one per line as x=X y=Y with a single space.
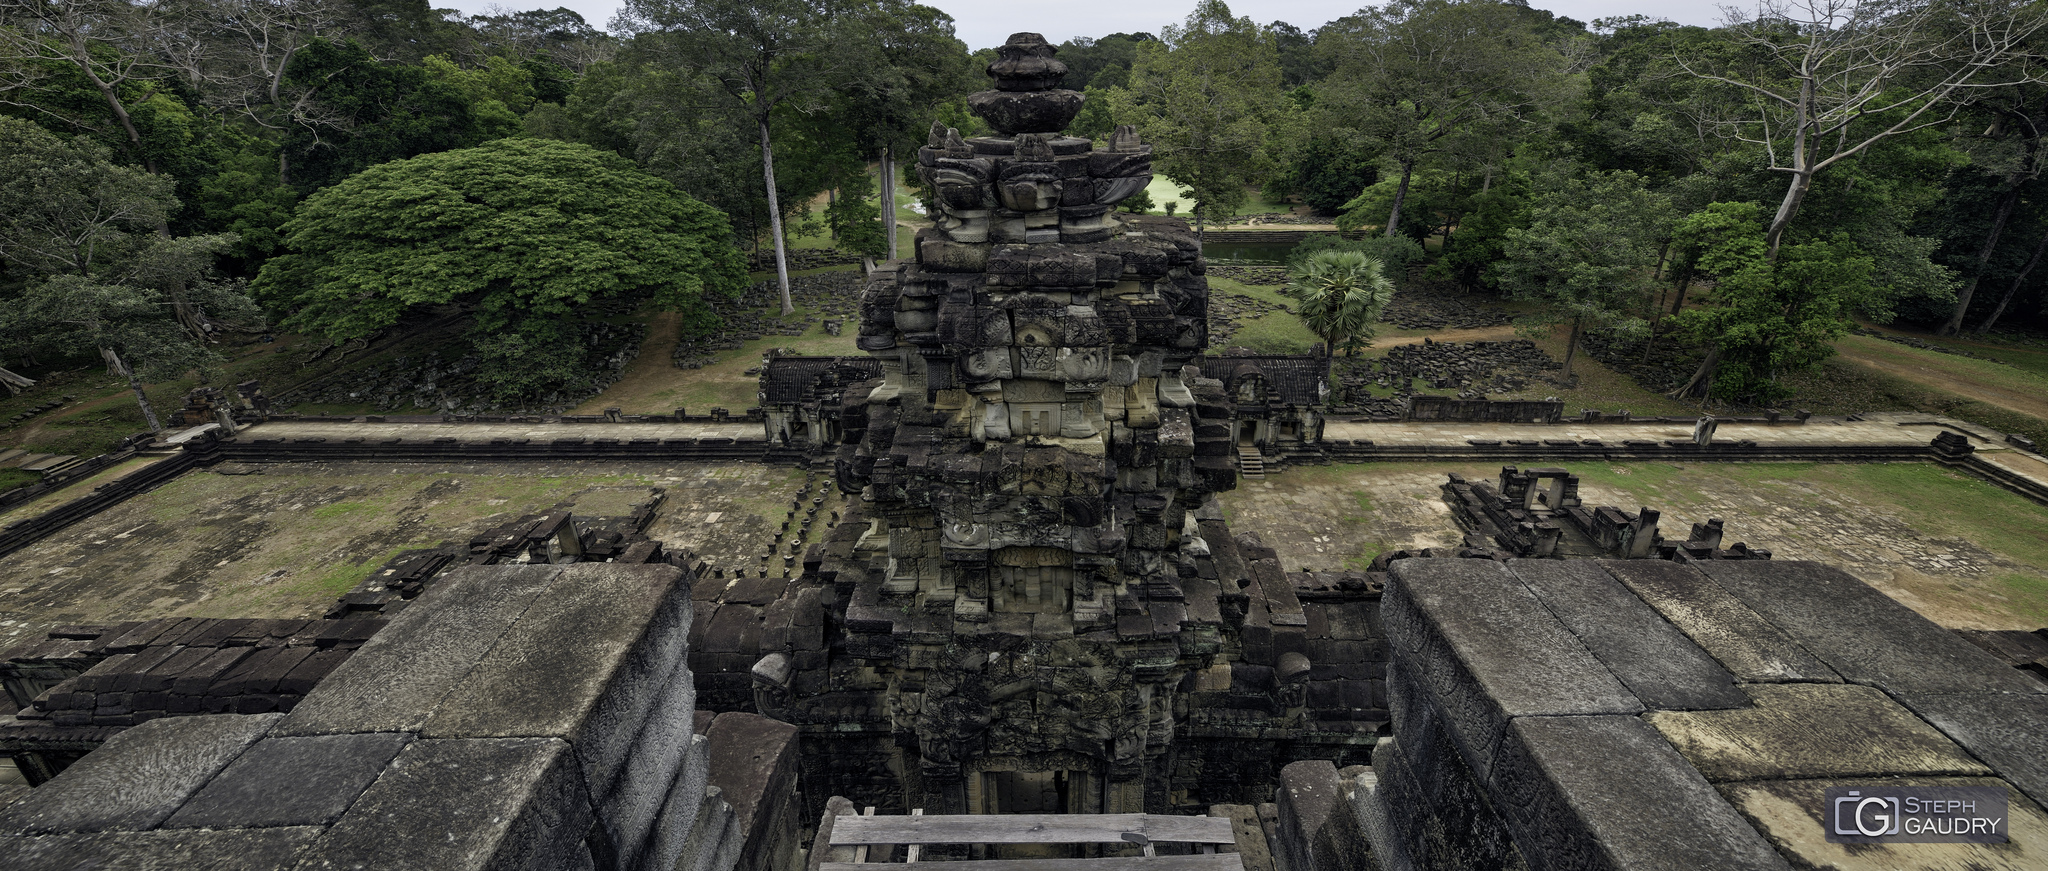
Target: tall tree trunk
x=889 y=198
x=1794 y=195
x=1702 y=379
x=1802 y=171
x=124 y=370
x=1198 y=221
x=1571 y=346
x=1400 y=196
x=1678 y=304
x=775 y=217
x=831 y=199
x=2018 y=281
x=1969 y=288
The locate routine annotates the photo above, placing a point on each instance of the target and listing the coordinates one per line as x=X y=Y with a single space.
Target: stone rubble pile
x=1472 y=369
x=1229 y=311
x=756 y=313
x=437 y=384
x=1415 y=307
x=1668 y=364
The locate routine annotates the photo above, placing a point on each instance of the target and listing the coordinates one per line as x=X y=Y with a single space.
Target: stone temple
x=1029 y=589
x=1025 y=636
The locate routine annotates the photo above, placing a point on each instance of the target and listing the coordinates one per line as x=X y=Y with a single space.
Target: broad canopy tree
x=520 y=232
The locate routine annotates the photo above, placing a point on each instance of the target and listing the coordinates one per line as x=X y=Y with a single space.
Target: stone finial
x=1025 y=63
x=1027 y=98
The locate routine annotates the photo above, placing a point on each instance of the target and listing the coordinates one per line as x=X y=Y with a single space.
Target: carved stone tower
x=1022 y=595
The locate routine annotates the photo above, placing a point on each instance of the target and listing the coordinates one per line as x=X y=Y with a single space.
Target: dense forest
x=178 y=170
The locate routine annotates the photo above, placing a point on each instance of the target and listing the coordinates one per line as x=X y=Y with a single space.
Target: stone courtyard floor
x=1961 y=551
x=283 y=540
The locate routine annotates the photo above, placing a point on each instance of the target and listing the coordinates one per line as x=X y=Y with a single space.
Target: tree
x=1202 y=94
x=1423 y=77
x=919 y=64
x=105 y=41
x=1341 y=294
x=1768 y=316
x=1589 y=251
x=100 y=275
x=758 y=58
x=1818 y=82
x=381 y=112
x=519 y=232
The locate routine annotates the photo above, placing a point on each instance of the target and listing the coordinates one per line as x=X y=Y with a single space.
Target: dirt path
x=1476 y=334
x=1957 y=383
x=639 y=388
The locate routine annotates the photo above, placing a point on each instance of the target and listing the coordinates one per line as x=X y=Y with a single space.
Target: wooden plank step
x=1029 y=829
x=1210 y=862
x=7 y=457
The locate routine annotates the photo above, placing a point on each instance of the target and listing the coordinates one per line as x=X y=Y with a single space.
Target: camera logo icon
x=1872 y=816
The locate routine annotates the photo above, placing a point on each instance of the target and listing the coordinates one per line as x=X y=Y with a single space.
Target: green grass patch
x=12 y=478
x=341 y=509
x=338 y=580
x=1840 y=387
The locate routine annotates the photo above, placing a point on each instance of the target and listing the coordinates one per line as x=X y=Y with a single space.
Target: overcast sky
x=984 y=23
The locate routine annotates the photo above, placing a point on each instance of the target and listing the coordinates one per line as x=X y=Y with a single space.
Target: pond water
x=1248 y=252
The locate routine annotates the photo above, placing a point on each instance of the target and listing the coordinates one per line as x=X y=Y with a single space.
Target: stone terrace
x=1646 y=714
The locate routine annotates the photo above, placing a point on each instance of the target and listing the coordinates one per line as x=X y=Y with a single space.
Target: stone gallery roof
x=1645 y=714
x=514 y=717
x=789 y=380
x=136 y=672
x=1294 y=379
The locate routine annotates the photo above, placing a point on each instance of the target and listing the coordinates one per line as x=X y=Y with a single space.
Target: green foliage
x=1395 y=253
x=1482 y=235
x=1204 y=95
x=1767 y=318
x=247 y=199
x=1138 y=203
x=395 y=112
x=520 y=232
x=1590 y=248
x=1341 y=294
x=1327 y=173
x=856 y=218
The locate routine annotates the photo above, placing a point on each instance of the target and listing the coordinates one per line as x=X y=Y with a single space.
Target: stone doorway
x=1247 y=432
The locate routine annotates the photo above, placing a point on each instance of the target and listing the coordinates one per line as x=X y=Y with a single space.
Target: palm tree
x=1341 y=294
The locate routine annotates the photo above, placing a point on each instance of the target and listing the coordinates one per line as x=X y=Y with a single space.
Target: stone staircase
x=30 y=461
x=1250 y=464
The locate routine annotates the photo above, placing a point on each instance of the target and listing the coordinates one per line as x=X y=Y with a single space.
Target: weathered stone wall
x=1647 y=714
x=513 y=717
